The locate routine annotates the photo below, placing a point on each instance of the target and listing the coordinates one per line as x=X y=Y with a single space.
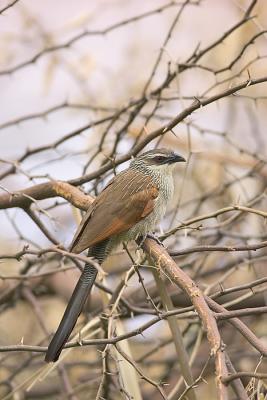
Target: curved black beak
x=176 y=158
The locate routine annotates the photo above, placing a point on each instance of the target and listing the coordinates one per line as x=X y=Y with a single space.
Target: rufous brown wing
x=126 y=200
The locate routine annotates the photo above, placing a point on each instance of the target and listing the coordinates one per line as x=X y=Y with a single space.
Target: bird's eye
x=159 y=159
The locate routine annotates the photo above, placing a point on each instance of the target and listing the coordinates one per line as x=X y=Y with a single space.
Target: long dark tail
x=72 y=312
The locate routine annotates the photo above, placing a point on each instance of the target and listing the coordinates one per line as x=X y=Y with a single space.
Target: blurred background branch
x=86 y=86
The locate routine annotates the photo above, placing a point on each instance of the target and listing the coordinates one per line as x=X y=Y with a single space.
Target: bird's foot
x=154 y=237
x=141 y=239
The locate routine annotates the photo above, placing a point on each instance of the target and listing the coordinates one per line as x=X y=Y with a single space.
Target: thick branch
x=24 y=198
x=166 y=264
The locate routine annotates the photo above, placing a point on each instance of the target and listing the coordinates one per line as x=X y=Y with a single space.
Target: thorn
x=145 y=130
x=174 y=134
x=79 y=341
x=221 y=287
x=199 y=102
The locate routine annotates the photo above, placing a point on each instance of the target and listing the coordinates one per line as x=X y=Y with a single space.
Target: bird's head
x=158 y=160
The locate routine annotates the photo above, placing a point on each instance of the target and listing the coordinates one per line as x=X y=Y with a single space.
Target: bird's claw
x=154 y=237
x=148 y=236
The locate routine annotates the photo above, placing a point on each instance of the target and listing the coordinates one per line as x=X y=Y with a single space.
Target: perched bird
x=130 y=206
